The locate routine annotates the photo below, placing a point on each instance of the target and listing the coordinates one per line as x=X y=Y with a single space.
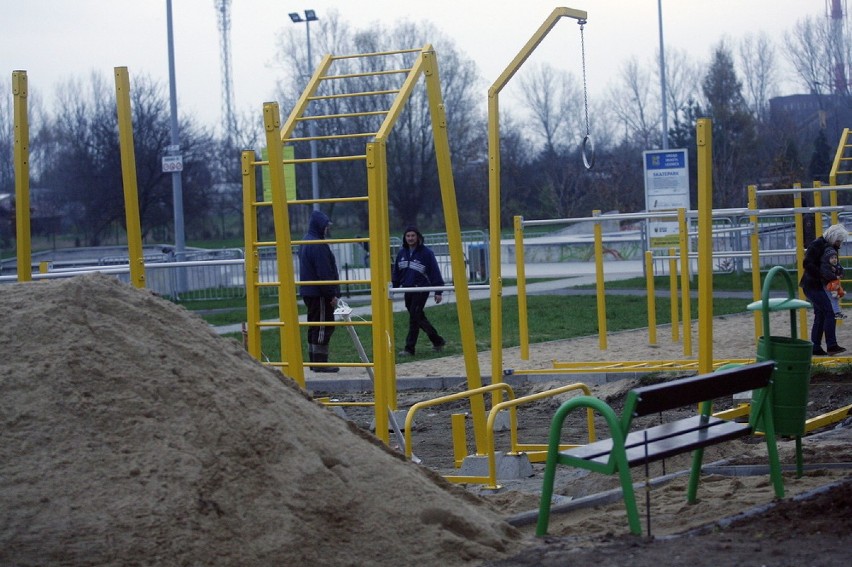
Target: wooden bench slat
x=686 y=391
x=692 y=440
x=658 y=437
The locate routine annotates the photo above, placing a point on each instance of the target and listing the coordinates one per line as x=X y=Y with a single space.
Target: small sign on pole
x=172 y=164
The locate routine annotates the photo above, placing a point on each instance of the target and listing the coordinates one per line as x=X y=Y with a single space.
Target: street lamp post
x=310 y=16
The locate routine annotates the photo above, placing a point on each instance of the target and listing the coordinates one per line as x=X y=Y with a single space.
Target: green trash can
x=792 y=356
x=791 y=379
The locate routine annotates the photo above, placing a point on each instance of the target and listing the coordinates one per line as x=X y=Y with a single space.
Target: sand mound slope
x=131 y=434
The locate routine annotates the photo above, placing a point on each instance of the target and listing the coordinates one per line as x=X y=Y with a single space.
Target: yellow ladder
x=354 y=97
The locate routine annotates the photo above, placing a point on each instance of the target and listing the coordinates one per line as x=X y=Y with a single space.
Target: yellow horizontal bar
x=349 y=95
x=335 y=324
x=373 y=74
x=328 y=159
x=376 y=54
x=344 y=115
x=333 y=137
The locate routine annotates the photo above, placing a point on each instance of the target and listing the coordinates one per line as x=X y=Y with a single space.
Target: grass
x=550 y=318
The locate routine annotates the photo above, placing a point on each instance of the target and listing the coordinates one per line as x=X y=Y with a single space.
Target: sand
x=133 y=435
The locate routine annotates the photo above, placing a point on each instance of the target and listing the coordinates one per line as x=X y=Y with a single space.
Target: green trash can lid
x=780 y=304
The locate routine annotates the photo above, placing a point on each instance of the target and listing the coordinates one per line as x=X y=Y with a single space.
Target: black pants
x=416 y=304
x=319 y=309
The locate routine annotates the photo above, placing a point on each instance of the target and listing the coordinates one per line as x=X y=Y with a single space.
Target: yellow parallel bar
x=829 y=418
x=523 y=323
x=685 y=269
x=755 y=260
x=325 y=159
x=704 y=137
x=252 y=264
x=675 y=313
x=128 y=175
x=652 y=298
x=799 y=222
x=20 y=91
x=599 y=282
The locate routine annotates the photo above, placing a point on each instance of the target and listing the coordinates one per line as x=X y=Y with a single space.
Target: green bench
x=626 y=449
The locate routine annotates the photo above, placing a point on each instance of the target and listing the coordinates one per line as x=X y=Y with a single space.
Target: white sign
x=173 y=149
x=666 y=189
x=172 y=164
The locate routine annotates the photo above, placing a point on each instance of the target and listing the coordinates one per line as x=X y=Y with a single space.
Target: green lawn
x=554 y=317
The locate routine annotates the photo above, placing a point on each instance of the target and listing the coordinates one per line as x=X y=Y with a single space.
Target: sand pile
x=131 y=434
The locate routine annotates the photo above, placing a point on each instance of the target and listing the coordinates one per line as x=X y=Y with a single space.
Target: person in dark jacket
x=317 y=263
x=813 y=284
x=416 y=266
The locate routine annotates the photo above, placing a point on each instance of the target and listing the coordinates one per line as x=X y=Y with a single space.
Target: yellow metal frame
x=536 y=452
x=375 y=160
x=20 y=91
x=494 y=178
x=128 y=176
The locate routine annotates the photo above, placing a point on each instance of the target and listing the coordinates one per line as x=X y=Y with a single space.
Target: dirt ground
x=737 y=515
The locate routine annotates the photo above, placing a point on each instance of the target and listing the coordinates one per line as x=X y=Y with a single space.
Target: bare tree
x=809 y=48
x=635 y=106
x=758 y=62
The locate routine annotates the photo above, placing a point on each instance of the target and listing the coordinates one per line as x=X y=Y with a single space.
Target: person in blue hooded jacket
x=317 y=263
x=416 y=266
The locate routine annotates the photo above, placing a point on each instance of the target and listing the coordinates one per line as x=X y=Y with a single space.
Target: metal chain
x=585 y=89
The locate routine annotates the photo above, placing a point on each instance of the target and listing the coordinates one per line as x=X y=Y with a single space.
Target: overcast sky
x=54 y=40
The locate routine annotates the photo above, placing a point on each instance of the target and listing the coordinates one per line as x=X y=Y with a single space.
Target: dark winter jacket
x=316 y=261
x=812 y=264
x=416 y=267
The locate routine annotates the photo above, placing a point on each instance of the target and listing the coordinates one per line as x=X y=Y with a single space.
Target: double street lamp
x=310 y=16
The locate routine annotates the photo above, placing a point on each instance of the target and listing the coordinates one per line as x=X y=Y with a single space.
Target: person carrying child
x=832 y=272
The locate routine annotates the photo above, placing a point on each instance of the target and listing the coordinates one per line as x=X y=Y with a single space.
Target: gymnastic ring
x=588 y=148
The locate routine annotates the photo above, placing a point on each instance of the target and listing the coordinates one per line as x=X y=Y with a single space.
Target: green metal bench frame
x=628 y=449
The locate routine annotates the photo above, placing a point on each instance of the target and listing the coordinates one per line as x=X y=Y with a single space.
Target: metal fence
x=220 y=274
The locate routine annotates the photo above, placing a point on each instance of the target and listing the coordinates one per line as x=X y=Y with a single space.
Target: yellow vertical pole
x=453 y=226
x=832 y=201
x=756 y=290
x=800 y=253
x=252 y=261
x=523 y=322
x=20 y=91
x=652 y=299
x=599 y=282
x=818 y=224
x=384 y=371
x=704 y=139
x=495 y=277
x=673 y=296
x=685 y=272
x=128 y=175
x=290 y=335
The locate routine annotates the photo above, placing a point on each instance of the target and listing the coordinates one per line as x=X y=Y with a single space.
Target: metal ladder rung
x=370 y=74
x=332 y=137
x=376 y=54
x=350 y=95
x=325 y=159
x=345 y=115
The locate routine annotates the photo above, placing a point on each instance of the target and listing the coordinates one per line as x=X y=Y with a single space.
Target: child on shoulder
x=832 y=272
